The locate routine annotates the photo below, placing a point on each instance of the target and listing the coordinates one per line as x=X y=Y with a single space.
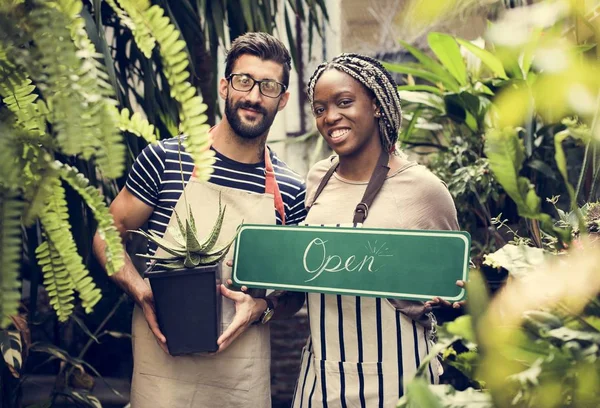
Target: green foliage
x=10 y=254
x=58 y=100
x=506 y=154
x=150 y=22
x=11 y=348
x=74 y=86
x=106 y=229
x=61 y=252
x=187 y=250
x=419 y=395
x=137 y=125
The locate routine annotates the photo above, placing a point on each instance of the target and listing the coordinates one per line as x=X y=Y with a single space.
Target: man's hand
x=247 y=310
x=439 y=302
x=146 y=302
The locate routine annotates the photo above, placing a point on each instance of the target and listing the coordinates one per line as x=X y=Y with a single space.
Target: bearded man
x=257 y=187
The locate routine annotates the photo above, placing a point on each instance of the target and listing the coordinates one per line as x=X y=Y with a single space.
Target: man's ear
x=223 y=85
x=283 y=101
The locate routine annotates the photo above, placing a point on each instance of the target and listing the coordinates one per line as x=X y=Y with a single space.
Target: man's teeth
x=339 y=133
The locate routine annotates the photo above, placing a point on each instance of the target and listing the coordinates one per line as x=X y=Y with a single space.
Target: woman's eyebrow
x=335 y=95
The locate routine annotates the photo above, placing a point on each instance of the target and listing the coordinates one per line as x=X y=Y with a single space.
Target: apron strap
x=375 y=183
x=271 y=186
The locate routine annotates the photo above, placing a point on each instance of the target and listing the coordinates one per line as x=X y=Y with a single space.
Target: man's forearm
x=127 y=278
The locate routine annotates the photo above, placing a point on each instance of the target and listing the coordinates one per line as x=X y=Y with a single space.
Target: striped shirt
x=155 y=179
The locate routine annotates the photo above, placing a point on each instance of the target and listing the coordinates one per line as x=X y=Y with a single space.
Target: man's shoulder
x=287 y=174
x=172 y=147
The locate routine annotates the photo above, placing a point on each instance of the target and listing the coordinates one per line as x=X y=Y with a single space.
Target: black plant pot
x=188 y=307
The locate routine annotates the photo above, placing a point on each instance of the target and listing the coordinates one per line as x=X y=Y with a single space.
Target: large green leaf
x=518 y=260
x=506 y=154
x=418 y=394
x=431 y=65
x=424 y=98
x=446 y=49
x=420 y=73
x=490 y=60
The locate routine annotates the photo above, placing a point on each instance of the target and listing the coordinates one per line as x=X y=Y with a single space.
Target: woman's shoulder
x=318 y=170
x=427 y=197
x=314 y=176
x=419 y=177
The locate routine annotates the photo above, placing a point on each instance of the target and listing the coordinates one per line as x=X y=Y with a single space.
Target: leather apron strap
x=375 y=183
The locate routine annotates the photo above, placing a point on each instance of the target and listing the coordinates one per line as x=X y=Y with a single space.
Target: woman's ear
x=376 y=109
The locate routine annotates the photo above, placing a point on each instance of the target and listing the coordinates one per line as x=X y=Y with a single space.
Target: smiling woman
x=362 y=350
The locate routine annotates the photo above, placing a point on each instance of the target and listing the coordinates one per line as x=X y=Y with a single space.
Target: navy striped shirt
x=155 y=179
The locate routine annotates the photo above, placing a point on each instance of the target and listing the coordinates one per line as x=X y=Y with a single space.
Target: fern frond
x=36 y=186
x=132 y=17
x=10 y=169
x=137 y=125
x=75 y=85
x=11 y=209
x=57 y=281
x=55 y=223
x=98 y=91
x=175 y=63
x=17 y=92
x=106 y=228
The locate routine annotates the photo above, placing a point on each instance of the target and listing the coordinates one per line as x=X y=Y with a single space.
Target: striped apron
x=361 y=351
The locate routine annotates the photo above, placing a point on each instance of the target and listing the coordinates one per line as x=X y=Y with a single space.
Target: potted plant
x=185 y=284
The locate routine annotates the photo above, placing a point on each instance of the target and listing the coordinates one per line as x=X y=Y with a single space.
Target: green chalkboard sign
x=405 y=264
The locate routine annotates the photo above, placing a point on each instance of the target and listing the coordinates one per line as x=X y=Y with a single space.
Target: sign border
x=462 y=235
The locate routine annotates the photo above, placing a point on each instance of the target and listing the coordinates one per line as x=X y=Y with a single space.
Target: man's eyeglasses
x=267 y=87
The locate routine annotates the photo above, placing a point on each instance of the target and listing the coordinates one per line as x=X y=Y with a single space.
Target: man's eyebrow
x=256 y=79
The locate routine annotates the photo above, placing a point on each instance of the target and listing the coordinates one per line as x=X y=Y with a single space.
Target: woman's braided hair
x=373 y=76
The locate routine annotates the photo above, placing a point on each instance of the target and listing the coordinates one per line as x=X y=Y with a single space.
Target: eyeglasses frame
x=256 y=81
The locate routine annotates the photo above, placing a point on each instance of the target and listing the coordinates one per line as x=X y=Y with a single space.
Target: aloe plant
x=188 y=251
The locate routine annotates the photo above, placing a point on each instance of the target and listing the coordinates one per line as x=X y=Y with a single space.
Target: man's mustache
x=253 y=106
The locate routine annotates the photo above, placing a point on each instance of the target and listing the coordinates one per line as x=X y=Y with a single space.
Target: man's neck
x=235 y=147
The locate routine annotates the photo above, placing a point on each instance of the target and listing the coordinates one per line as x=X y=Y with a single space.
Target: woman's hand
x=439 y=302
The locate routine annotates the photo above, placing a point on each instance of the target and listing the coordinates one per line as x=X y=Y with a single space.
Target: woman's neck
x=360 y=166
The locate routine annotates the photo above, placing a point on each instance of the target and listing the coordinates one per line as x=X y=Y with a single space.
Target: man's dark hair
x=263 y=46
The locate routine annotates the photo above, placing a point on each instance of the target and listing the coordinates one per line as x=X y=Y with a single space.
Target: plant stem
x=110 y=314
x=85 y=348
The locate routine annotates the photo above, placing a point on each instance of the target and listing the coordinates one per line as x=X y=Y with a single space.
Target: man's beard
x=248 y=131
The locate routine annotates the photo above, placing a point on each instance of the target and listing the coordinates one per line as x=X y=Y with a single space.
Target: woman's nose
x=332 y=116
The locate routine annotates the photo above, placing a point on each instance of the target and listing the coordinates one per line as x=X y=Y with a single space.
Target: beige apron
x=237 y=377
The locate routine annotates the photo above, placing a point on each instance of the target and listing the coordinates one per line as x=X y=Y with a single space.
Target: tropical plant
x=58 y=104
x=187 y=250
x=536 y=343
x=206 y=27
x=481 y=114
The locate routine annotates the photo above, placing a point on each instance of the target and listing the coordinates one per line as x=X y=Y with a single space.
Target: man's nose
x=254 y=95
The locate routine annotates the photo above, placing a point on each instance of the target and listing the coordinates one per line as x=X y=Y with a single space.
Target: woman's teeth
x=339 y=133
